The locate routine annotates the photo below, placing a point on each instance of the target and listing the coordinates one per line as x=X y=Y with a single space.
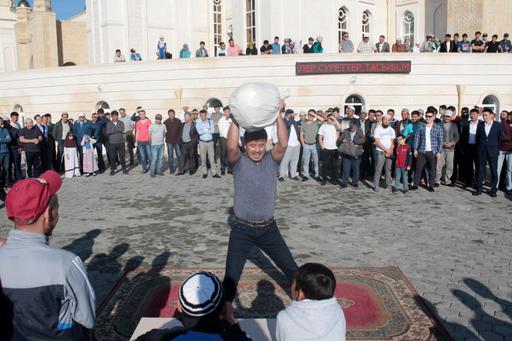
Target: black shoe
x=451 y=184
x=393 y=190
x=304 y=179
x=180 y=173
x=430 y=189
x=343 y=185
x=144 y=171
x=216 y=176
x=112 y=173
x=355 y=185
x=324 y=182
x=436 y=185
x=477 y=193
x=318 y=179
x=125 y=171
x=296 y=178
x=222 y=172
x=493 y=194
x=205 y=176
x=414 y=188
x=281 y=179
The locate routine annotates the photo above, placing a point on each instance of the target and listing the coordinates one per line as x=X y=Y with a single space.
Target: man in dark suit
x=488 y=140
x=365 y=122
x=188 y=146
x=468 y=147
x=448 y=45
x=382 y=45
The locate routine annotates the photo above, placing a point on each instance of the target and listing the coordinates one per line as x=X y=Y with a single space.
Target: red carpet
x=379 y=303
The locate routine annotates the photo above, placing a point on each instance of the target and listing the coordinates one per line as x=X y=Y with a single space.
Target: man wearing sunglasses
x=428 y=142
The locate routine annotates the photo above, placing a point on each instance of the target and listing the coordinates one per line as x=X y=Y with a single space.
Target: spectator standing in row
x=448 y=45
x=5 y=140
x=251 y=49
x=129 y=127
x=161 y=48
x=49 y=289
x=188 y=146
x=346 y=45
x=428 y=143
x=291 y=157
x=403 y=161
x=493 y=46
x=328 y=134
x=398 y=46
x=266 y=49
x=30 y=137
x=214 y=118
x=464 y=45
x=308 y=139
x=317 y=46
x=222 y=51
x=428 y=45
x=157 y=134
x=468 y=148
x=224 y=123
x=384 y=136
x=119 y=57
x=382 y=45
x=308 y=47
x=60 y=131
x=116 y=145
x=201 y=51
x=505 y=156
x=14 y=149
x=143 y=140
x=89 y=161
x=365 y=46
x=477 y=44
x=135 y=56
x=185 y=52
x=506 y=44
x=276 y=47
x=233 y=49
x=71 y=157
x=173 y=127
x=351 y=150
x=205 y=130
x=488 y=140
x=446 y=158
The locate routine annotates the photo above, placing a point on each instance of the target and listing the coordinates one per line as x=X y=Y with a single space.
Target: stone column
x=44 y=35
x=23 y=38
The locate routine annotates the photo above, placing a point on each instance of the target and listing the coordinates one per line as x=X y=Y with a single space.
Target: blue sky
x=66 y=8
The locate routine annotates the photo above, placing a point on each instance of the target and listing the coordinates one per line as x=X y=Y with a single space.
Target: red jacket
x=402 y=156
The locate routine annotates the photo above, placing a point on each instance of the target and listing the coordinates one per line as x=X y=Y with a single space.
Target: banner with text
x=326 y=68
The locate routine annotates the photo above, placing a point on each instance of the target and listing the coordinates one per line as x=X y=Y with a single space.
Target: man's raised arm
x=232 y=145
x=282 y=135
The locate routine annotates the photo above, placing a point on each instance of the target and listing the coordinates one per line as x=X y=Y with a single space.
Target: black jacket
x=57 y=130
x=453 y=47
x=489 y=143
x=194 y=137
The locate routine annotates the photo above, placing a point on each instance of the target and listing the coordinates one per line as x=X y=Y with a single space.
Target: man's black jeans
x=241 y=240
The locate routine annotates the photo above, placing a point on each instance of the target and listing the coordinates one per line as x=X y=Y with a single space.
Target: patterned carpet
x=379 y=303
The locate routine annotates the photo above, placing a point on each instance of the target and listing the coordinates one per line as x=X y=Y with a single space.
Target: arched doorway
x=356 y=101
x=212 y=103
x=102 y=105
x=69 y=64
x=492 y=102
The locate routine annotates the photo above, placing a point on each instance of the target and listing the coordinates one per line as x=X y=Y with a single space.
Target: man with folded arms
x=47 y=293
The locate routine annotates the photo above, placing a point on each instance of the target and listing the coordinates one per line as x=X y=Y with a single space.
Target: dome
x=23 y=3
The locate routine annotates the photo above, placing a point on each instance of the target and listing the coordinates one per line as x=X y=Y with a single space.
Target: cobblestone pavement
x=455 y=248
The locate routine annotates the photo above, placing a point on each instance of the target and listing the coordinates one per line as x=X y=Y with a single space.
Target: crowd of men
x=456 y=43
x=429 y=147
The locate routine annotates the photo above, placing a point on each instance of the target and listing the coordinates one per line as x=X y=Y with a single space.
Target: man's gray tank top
x=255 y=188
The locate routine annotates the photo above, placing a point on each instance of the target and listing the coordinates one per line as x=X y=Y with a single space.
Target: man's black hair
x=14 y=113
x=488 y=110
x=392 y=110
x=255 y=135
x=171 y=111
x=474 y=110
x=316 y=281
x=226 y=107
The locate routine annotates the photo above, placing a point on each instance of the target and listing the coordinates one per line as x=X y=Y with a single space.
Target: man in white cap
x=384 y=137
x=445 y=161
x=365 y=46
x=204 y=313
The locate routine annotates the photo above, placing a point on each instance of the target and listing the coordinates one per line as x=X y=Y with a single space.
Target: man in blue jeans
x=157 y=133
x=255 y=184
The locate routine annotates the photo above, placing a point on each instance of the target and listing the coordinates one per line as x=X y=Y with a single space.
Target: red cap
x=29 y=198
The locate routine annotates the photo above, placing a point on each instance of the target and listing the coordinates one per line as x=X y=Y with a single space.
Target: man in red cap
x=46 y=290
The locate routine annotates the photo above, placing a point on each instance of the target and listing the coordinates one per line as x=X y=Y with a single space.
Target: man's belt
x=261 y=223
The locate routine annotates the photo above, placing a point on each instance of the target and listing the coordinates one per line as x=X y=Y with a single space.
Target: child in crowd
x=71 y=164
x=314 y=313
x=89 y=161
x=403 y=160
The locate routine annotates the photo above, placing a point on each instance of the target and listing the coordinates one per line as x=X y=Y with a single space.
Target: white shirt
x=385 y=135
x=448 y=45
x=487 y=128
x=292 y=139
x=272 y=133
x=328 y=131
x=428 y=143
x=472 y=132
x=224 y=124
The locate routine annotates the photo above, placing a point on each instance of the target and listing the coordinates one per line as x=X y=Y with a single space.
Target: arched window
x=492 y=102
x=342 y=22
x=356 y=101
x=408 y=27
x=250 y=21
x=217 y=24
x=366 y=23
x=69 y=64
x=213 y=102
x=102 y=105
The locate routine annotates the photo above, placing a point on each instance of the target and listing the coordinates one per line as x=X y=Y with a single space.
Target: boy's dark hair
x=316 y=281
x=14 y=113
x=400 y=135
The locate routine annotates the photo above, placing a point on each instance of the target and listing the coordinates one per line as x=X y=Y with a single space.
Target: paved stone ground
x=455 y=248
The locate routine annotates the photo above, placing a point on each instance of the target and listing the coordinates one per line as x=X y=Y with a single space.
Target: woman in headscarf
x=89 y=161
x=161 y=48
x=185 y=52
x=71 y=164
x=317 y=46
